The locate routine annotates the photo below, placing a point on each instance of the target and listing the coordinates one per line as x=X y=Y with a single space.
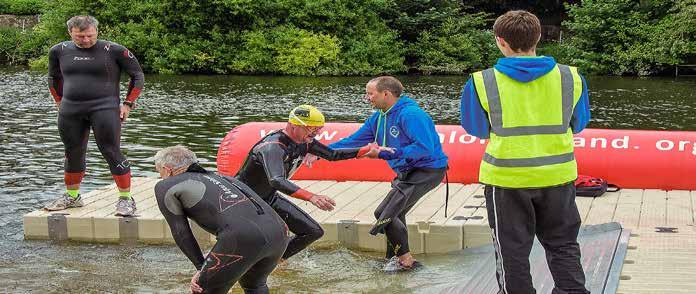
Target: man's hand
x=374 y=150
x=387 y=149
x=125 y=110
x=323 y=202
x=310 y=159
x=195 y=288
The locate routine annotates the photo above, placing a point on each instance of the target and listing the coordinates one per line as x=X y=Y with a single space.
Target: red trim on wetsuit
x=362 y=151
x=133 y=94
x=302 y=194
x=55 y=95
x=54 y=92
x=73 y=178
x=123 y=181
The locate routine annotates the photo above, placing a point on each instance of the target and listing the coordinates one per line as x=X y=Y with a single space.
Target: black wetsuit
x=85 y=81
x=251 y=237
x=266 y=170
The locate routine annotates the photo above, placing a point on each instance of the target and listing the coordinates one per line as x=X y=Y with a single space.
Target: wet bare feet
x=282 y=265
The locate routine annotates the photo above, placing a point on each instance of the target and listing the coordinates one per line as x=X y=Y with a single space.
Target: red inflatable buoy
x=628 y=158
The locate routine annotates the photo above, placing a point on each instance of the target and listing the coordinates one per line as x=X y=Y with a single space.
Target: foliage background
x=358 y=37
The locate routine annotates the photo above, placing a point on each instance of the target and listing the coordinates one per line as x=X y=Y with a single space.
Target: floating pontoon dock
x=658 y=257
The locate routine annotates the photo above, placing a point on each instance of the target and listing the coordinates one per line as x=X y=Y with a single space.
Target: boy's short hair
x=520 y=29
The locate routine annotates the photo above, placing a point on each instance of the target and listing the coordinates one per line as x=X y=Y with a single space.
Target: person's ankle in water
x=282 y=265
x=401 y=263
x=406 y=260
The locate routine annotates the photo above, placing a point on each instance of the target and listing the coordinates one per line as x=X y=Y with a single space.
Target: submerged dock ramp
x=603 y=250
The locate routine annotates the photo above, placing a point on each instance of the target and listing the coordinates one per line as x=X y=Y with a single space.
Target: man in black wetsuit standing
x=277 y=156
x=251 y=237
x=83 y=78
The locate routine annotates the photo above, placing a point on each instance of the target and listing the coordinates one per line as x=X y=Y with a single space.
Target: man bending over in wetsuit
x=251 y=237
x=83 y=78
x=277 y=156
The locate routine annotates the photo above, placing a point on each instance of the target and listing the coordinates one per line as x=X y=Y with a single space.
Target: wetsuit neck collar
x=196 y=168
x=287 y=138
x=96 y=44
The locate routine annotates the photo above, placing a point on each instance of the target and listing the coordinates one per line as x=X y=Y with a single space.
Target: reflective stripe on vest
x=496 y=111
x=496 y=117
x=531 y=144
x=528 y=162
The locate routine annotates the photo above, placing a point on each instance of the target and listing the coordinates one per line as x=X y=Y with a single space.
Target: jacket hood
x=404 y=101
x=525 y=69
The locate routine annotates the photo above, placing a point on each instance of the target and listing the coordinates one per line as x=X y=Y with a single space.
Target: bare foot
x=406 y=260
x=282 y=264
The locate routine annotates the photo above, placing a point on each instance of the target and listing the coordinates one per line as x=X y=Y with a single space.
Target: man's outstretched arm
x=271 y=156
x=328 y=153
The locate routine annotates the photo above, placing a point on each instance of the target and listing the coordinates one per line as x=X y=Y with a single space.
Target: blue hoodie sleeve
x=363 y=136
x=472 y=117
x=581 y=113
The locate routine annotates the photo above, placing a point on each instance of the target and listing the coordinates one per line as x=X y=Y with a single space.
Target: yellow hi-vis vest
x=531 y=142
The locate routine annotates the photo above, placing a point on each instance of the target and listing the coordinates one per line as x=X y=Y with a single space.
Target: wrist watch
x=129 y=104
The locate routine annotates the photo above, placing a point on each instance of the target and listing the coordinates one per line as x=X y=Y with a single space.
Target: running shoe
x=125 y=207
x=64 y=202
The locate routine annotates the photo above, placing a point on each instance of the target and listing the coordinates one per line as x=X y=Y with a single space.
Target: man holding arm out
x=411 y=146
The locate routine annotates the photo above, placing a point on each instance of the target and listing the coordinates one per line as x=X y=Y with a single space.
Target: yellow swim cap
x=306 y=115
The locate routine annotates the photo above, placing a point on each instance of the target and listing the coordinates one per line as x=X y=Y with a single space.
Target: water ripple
x=198 y=111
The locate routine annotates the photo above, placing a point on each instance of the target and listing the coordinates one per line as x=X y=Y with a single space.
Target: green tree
x=458 y=45
x=674 y=40
x=21 y=7
x=630 y=36
x=287 y=50
x=442 y=36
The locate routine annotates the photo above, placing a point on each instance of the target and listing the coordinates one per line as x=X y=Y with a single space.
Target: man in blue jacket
x=529 y=107
x=412 y=148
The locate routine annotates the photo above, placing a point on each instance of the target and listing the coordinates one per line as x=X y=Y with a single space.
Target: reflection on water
x=198 y=111
x=86 y=268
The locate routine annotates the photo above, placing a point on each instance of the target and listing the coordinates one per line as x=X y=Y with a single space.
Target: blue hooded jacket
x=408 y=129
x=474 y=118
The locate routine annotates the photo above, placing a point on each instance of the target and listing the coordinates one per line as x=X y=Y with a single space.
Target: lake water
x=197 y=111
